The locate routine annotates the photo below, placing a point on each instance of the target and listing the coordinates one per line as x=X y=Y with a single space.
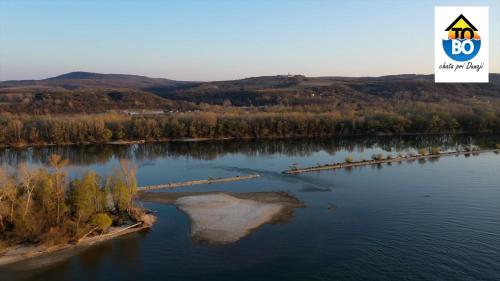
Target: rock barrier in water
x=197 y=182
x=352 y=164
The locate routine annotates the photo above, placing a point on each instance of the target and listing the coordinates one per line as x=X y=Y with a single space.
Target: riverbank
x=163 y=140
x=352 y=164
x=226 y=217
x=21 y=253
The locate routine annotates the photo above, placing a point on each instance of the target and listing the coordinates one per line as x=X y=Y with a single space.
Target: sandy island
x=216 y=218
x=224 y=217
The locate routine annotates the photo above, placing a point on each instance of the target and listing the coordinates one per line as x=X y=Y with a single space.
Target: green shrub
x=379 y=156
x=435 y=150
x=348 y=159
x=102 y=221
x=422 y=151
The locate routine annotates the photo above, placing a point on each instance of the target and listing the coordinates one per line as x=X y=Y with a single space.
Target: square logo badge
x=461 y=47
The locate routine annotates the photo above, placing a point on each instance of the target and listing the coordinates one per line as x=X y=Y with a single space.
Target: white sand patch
x=221 y=218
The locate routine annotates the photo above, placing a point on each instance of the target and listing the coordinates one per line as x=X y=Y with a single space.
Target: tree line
x=19 y=130
x=46 y=206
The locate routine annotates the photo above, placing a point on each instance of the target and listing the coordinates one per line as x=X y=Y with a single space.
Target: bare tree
x=57 y=164
x=3 y=179
x=129 y=171
x=27 y=180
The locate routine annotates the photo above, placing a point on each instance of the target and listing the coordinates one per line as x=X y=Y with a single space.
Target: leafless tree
x=27 y=180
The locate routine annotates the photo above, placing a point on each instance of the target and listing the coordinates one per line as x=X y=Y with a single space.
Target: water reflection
x=91 y=259
x=209 y=150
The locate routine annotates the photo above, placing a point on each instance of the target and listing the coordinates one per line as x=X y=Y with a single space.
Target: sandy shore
x=223 y=218
x=15 y=254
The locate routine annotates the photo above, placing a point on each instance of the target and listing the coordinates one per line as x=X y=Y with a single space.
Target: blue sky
x=226 y=39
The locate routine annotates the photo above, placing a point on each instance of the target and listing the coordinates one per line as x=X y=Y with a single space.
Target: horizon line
x=247 y=77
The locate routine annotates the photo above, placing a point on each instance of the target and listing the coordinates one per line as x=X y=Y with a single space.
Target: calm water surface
x=427 y=220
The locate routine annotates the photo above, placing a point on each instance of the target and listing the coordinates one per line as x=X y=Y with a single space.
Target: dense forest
x=81 y=129
x=85 y=107
x=43 y=206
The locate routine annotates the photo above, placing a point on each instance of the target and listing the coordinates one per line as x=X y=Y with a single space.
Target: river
x=423 y=220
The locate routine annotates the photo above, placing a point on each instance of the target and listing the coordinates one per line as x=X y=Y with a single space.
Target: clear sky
x=218 y=40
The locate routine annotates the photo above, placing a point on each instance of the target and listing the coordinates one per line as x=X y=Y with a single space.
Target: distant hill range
x=85 y=92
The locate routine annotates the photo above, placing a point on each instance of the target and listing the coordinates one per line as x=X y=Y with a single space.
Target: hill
x=300 y=90
x=85 y=80
x=257 y=107
x=86 y=92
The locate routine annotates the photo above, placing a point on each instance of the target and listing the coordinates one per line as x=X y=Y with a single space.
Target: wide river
x=422 y=220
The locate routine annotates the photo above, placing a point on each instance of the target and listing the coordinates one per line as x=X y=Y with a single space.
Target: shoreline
x=20 y=253
x=166 y=140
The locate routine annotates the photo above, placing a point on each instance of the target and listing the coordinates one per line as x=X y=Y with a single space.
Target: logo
x=461 y=44
x=463 y=41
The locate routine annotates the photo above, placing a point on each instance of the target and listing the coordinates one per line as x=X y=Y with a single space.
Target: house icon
x=462 y=28
x=461 y=17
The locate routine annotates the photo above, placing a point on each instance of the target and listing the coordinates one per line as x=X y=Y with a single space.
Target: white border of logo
x=447 y=70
